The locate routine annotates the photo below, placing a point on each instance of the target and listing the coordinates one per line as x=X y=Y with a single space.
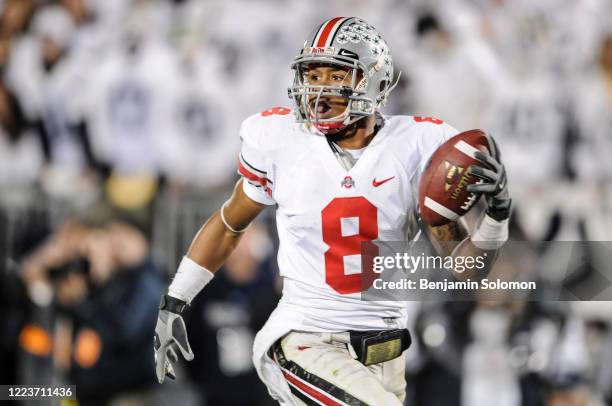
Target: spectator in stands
x=453 y=73
x=106 y=291
x=13 y=310
x=20 y=153
x=50 y=87
x=593 y=110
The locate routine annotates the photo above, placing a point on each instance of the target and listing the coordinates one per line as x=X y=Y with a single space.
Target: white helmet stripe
x=333 y=32
x=316 y=37
x=327 y=31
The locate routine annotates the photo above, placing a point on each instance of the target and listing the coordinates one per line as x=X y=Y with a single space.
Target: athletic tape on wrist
x=189 y=280
x=490 y=233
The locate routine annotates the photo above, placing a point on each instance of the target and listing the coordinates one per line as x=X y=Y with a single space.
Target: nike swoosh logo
x=377 y=184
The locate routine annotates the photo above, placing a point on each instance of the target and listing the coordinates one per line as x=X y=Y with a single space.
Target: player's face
x=328 y=106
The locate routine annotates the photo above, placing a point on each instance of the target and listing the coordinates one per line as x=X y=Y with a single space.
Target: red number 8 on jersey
x=433 y=120
x=342 y=245
x=279 y=111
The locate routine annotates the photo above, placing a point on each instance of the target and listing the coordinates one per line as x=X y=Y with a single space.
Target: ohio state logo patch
x=347 y=182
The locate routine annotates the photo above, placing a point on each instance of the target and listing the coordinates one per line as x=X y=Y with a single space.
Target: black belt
x=373 y=347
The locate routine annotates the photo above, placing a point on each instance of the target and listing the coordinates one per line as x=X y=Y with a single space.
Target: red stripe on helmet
x=327 y=29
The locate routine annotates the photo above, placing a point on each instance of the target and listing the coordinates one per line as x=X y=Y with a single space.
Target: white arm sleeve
x=189 y=280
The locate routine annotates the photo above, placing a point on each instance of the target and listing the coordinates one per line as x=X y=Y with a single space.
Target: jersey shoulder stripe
x=251 y=168
x=253 y=179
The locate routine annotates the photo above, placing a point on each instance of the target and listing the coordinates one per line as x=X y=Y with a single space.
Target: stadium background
x=118 y=136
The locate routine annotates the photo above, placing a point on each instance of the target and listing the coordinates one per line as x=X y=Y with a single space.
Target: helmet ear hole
x=383 y=85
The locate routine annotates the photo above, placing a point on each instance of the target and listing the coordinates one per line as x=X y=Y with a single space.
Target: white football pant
x=321 y=370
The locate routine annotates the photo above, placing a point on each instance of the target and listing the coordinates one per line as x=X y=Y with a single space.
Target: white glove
x=170 y=337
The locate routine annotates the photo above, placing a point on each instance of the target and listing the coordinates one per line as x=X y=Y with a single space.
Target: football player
x=339 y=173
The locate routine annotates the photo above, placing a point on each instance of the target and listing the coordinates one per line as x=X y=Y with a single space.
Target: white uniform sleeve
x=255 y=167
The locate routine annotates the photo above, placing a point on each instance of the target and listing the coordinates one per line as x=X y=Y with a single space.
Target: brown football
x=443 y=195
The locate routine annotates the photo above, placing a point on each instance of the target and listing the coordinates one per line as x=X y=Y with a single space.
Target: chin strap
x=330 y=127
x=346 y=160
x=383 y=97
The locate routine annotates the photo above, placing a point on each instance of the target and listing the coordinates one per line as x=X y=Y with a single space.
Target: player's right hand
x=494 y=181
x=170 y=337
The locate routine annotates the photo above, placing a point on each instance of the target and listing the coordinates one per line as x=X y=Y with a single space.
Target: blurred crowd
x=118 y=136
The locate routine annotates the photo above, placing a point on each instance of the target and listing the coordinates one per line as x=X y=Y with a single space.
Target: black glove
x=494 y=182
x=170 y=337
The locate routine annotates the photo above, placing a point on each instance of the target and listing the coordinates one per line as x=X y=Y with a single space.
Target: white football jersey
x=325 y=212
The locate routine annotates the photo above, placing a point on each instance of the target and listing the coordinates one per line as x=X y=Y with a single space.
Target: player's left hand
x=494 y=182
